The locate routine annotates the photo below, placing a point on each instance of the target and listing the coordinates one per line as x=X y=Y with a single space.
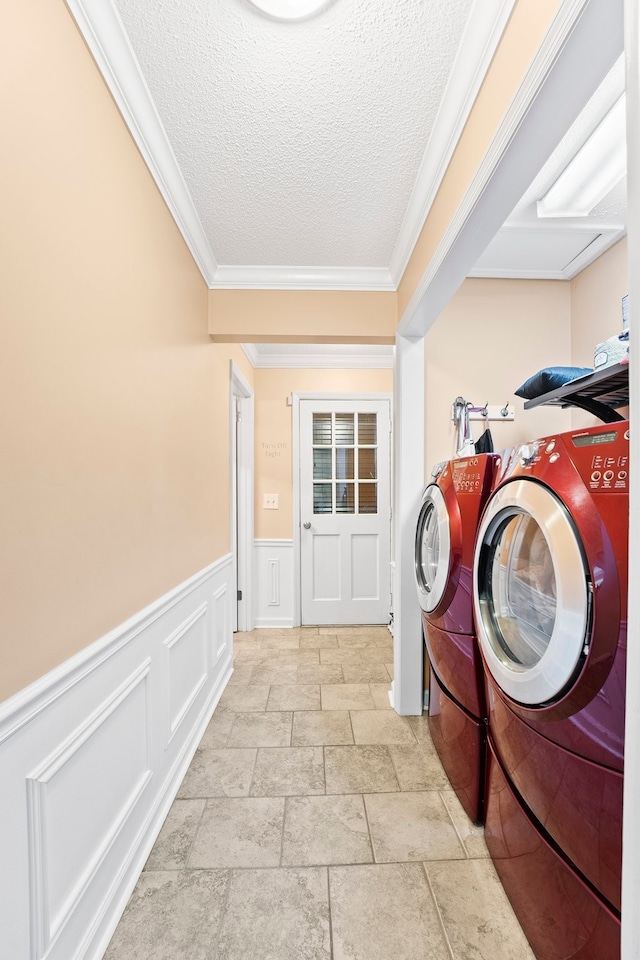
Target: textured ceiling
x=299 y=143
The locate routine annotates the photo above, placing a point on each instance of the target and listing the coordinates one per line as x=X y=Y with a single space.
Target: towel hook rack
x=485 y=412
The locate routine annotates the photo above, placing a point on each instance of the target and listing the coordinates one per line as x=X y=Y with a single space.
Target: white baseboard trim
x=276 y=623
x=273 y=583
x=91 y=758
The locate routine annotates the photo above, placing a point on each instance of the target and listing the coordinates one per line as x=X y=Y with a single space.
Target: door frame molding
x=630 y=827
x=295 y=460
x=242 y=494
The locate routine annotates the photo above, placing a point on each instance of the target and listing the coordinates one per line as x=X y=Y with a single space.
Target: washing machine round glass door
x=433 y=549
x=531 y=593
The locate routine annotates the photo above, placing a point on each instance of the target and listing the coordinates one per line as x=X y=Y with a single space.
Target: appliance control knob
x=550 y=447
x=622 y=475
x=528 y=452
x=608 y=475
x=554 y=457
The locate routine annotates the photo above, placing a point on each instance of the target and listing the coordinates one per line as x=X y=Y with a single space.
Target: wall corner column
x=408 y=471
x=630 y=947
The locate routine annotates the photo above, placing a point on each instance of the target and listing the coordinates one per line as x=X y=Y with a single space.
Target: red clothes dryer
x=445 y=536
x=550 y=598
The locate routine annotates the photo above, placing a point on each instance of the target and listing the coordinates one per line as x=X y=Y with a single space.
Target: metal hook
x=505 y=410
x=459 y=404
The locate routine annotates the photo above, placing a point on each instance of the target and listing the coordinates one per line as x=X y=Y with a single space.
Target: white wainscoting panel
x=187 y=669
x=91 y=757
x=273 y=574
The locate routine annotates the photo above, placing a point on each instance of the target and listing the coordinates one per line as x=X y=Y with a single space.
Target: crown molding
x=485 y=26
x=608 y=234
x=319 y=361
x=302 y=278
x=251 y=353
x=107 y=40
x=106 y=37
x=553 y=91
x=604 y=240
x=315 y=359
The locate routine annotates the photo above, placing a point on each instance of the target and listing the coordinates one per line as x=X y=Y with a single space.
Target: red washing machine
x=445 y=537
x=550 y=599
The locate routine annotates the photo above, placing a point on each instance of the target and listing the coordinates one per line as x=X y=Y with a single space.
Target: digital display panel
x=591 y=439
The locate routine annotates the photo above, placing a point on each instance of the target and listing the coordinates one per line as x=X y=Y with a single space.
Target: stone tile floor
x=315 y=823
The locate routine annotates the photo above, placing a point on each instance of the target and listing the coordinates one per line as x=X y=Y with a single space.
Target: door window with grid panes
x=345 y=463
x=345 y=509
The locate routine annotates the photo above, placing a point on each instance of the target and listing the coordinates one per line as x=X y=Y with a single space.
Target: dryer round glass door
x=433 y=549
x=531 y=593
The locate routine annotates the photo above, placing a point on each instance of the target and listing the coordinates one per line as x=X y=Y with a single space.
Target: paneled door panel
x=345 y=515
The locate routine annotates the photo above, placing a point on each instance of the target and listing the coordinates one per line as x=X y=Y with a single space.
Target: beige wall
x=302 y=316
x=113 y=401
x=492 y=336
x=273 y=433
x=596 y=310
x=525 y=31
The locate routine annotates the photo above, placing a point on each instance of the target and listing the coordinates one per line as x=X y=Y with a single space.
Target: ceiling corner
x=484 y=29
x=104 y=33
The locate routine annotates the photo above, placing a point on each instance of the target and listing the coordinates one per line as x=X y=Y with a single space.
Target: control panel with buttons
x=467 y=476
x=601 y=456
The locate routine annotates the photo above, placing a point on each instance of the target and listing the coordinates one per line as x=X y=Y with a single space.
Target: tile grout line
x=438 y=911
x=328 y=868
x=225 y=905
x=366 y=816
x=395 y=771
x=458 y=835
x=195 y=832
x=253 y=771
x=284 y=820
x=324 y=767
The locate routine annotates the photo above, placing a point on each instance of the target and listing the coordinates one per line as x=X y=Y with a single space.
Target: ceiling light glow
x=290 y=9
x=594 y=171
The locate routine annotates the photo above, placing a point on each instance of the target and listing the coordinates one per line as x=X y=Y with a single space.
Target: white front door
x=345 y=512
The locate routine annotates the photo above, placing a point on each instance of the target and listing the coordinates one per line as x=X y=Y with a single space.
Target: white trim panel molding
x=273 y=579
x=91 y=758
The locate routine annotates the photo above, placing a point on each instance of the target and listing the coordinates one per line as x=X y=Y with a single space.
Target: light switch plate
x=270 y=501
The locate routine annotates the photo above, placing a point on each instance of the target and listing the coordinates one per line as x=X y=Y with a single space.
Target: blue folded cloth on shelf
x=549 y=379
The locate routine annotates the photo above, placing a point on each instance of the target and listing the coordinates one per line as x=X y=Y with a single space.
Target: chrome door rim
x=430 y=598
x=549 y=677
